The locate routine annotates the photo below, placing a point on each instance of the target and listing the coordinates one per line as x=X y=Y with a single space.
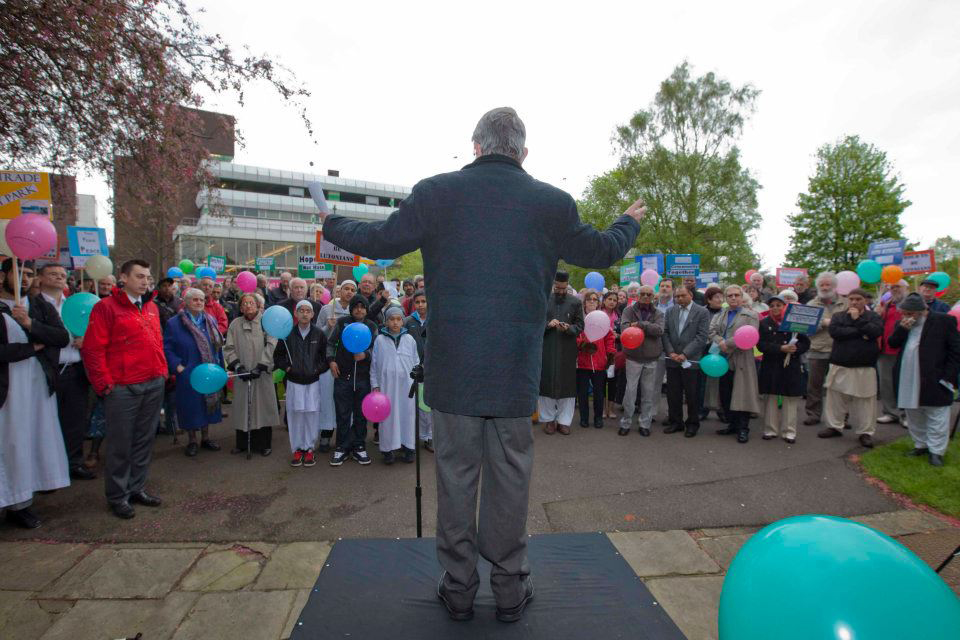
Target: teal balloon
x=869 y=271
x=76 y=312
x=820 y=577
x=359 y=271
x=207 y=272
x=941 y=278
x=277 y=321
x=714 y=365
x=208 y=378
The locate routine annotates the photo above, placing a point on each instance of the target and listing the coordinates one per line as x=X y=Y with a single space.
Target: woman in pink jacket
x=593 y=358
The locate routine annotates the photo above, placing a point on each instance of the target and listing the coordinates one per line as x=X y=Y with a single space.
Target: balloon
x=939 y=294
x=596 y=325
x=325 y=296
x=376 y=406
x=714 y=365
x=886 y=296
x=278 y=376
x=941 y=278
x=650 y=277
x=208 y=378
x=420 y=403
x=277 y=321
x=955 y=312
x=847 y=281
x=594 y=281
x=383 y=264
x=30 y=236
x=174 y=272
x=869 y=271
x=632 y=338
x=359 y=271
x=76 y=312
x=746 y=337
x=186 y=265
x=207 y=272
x=891 y=274
x=246 y=282
x=749 y=274
x=98 y=267
x=356 y=337
x=794 y=558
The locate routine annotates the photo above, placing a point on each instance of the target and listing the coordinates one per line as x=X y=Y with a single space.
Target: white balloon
x=98 y=267
x=596 y=325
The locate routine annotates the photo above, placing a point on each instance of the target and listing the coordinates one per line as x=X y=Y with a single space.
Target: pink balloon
x=749 y=274
x=955 y=312
x=596 y=325
x=376 y=406
x=30 y=236
x=847 y=281
x=246 y=282
x=746 y=337
x=649 y=277
x=325 y=296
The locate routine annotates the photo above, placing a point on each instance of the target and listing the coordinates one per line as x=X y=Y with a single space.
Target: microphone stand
x=417 y=375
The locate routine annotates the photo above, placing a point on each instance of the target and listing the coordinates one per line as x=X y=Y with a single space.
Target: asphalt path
x=590 y=480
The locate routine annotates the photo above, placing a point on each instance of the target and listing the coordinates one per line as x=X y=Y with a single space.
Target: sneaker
x=408 y=456
x=308 y=459
x=297 y=459
x=338 y=458
x=887 y=419
x=428 y=445
x=829 y=432
x=360 y=455
x=389 y=457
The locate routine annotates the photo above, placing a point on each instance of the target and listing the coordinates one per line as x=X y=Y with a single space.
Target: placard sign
x=918 y=262
x=788 y=276
x=683 y=264
x=24 y=192
x=87 y=241
x=217 y=263
x=887 y=251
x=266 y=264
x=629 y=273
x=650 y=261
x=801 y=318
x=706 y=278
x=308 y=267
x=329 y=252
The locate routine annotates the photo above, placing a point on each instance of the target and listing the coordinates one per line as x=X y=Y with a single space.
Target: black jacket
x=774 y=378
x=45 y=328
x=419 y=332
x=302 y=358
x=167 y=309
x=939 y=353
x=336 y=352
x=855 y=342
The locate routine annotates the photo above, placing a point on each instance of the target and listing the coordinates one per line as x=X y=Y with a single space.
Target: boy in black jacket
x=351 y=385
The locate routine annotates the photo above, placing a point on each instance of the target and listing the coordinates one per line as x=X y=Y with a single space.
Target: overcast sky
x=398 y=87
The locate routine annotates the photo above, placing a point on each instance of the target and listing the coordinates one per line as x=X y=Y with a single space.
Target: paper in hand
x=686 y=364
x=316 y=192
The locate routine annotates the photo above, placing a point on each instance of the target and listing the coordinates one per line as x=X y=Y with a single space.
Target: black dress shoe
x=936 y=460
x=146 y=499
x=266 y=452
x=515 y=613
x=210 y=445
x=726 y=431
x=743 y=436
x=82 y=473
x=598 y=424
x=767 y=436
x=22 y=518
x=866 y=441
x=917 y=452
x=459 y=615
x=122 y=510
x=584 y=425
x=644 y=432
x=673 y=428
x=690 y=433
x=623 y=431
x=191 y=449
x=237 y=450
x=830 y=432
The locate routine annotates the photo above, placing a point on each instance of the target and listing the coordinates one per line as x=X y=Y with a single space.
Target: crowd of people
x=892 y=359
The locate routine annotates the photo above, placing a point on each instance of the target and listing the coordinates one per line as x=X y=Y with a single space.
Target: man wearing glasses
x=642 y=361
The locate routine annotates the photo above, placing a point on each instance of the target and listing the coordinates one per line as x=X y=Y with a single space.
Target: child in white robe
x=394 y=356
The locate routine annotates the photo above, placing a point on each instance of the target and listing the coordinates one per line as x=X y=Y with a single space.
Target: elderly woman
x=780 y=372
x=754 y=302
x=710 y=387
x=191 y=338
x=739 y=395
x=248 y=351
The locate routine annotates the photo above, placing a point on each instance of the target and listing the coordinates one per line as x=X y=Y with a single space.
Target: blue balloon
x=174 y=272
x=277 y=321
x=208 y=378
x=799 y=557
x=383 y=264
x=594 y=280
x=76 y=312
x=356 y=337
x=206 y=272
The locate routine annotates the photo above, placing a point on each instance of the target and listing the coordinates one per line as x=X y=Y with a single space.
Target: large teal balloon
x=76 y=312
x=941 y=278
x=869 y=271
x=714 y=365
x=822 y=577
x=277 y=321
x=359 y=271
x=208 y=378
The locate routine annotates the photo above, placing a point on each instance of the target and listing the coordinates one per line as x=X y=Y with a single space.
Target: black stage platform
x=387 y=589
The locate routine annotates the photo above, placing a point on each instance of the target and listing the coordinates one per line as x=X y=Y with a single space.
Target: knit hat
x=356 y=301
x=391 y=312
x=351 y=282
x=303 y=303
x=913 y=302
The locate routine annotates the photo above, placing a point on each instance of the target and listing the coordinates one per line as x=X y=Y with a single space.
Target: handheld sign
x=788 y=276
x=801 y=318
x=887 y=251
x=327 y=251
x=629 y=273
x=683 y=264
x=918 y=262
x=217 y=263
x=650 y=261
x=706 y=278
x=265 y=264
x=87 y=241
x=24 y=192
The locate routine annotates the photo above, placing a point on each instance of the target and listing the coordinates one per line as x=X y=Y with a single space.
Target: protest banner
x=706 y=278
x=788 y=276
x=308 y=267
x=918 y=262
x=650 y=261
x=266 y=264
x=87 y=241
x=24 y=192
x=682 y=264
x=217 y=263
x=630 y=273
x=887 y=251
x=328 y=252
x=801 y=318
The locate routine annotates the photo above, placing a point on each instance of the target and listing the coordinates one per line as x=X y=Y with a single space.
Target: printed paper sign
x=683 y=264
x=887 y=251
x=788 y=276
x=918 y=262
x=801 y=318
x=87 y=241
x=24 y=191
x=629 y=273
x=650 y=261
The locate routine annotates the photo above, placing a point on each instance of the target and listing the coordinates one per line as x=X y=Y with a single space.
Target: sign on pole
x=308 y=267
x=706 y=278
x=87 y=241
x=328 y=252
x=887 y=251
x=682 y=264
x=788 y=276
x=650 y=261
x=24 y=192
x=266 y=264
x=629 y=273
x=217 y=263
x=801 y=318
x=918 y=262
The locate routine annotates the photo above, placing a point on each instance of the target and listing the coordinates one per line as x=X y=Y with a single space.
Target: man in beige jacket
x=818 y=357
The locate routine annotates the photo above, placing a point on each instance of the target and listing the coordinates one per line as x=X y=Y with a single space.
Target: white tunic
x=32 y=454
x=908 y=396
x=390 y=371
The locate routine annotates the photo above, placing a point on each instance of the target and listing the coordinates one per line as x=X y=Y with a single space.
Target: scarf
x=208 y=344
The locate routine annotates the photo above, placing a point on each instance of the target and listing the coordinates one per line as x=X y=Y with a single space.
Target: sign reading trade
x=887 y=251
x=683 y=264
x=801 y=318
x=24 y=192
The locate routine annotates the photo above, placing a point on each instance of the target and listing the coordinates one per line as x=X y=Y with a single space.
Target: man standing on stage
x=489 y=222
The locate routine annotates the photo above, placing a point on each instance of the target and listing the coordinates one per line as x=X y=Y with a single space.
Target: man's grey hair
x=826 y=275
x=193 y=292
x=501 y=131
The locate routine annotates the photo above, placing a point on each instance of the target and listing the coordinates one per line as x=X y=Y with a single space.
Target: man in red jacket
x=214 y=308
x=123 y=354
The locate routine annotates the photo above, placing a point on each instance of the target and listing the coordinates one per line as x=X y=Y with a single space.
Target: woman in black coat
x=780 y=374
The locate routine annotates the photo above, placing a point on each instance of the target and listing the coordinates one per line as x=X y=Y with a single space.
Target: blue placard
x=887 y=251
x=683 y=264
x=87 y=241
x=801 y=318
x=650 y=261
x=706 y=278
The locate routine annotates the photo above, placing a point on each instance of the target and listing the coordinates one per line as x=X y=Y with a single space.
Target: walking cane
x=417 y=375
x=956 y=552
x=249 y=413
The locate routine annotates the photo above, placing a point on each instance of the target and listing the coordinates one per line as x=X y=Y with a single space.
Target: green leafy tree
x=407 y=266
x=854 y=198
x=680 y=155
x=947 y=252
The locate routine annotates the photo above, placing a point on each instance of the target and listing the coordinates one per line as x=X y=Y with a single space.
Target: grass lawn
x=938 y=487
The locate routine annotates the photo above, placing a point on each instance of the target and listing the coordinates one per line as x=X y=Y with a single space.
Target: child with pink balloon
x=394 y=356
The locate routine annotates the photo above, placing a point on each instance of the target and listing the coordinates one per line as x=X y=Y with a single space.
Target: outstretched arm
x=584 y=246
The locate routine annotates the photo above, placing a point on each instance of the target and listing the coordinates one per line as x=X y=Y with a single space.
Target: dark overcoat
x=558 y=378
x=774 y=378
x=180 y=348
x=939 y=353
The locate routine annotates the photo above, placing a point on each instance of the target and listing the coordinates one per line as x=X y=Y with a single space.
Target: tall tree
x=854 y=198
x=680 y=155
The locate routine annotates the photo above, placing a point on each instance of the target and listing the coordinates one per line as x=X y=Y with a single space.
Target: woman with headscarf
x=739 y=396
x=191 y=338
x=780 y=373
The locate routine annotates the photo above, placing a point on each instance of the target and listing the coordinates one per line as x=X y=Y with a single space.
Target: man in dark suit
x=684 y=340
x=490 y=222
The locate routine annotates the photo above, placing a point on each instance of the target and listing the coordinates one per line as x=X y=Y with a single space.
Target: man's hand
x=907 y=323
x=553 y=324
x=78 y=342
x=563 y=326
x=854 y=313
x=825 y=322
x=637 y=210
x=19 y=313
x=679 y=357
x=334 y=369
x=357 y=357
x=316 y=192
x=180 y=368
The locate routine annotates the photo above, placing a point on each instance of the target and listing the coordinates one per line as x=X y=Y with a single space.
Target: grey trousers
x=131 y=413
x=817 y=368
x=503 y=448
x=885 y=386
